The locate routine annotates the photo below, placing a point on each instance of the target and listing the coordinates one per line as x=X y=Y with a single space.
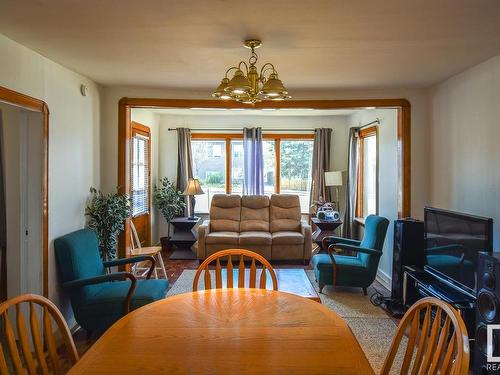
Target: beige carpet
x=371 y=326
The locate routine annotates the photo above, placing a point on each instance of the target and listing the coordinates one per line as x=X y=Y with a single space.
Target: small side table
x=325 y=228
x=183 y=238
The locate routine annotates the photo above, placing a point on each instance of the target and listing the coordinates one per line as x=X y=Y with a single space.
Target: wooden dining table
x=228 y=331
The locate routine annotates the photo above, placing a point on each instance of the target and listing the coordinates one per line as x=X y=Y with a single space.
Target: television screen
x=452 y=241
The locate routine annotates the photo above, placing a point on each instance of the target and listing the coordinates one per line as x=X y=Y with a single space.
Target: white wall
x=387 y=177
x=74 y=139
x=464 y=143
x=151 y=120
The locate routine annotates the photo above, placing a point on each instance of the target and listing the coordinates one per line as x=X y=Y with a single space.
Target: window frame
x=143 y=131
x=228 y=137
x=371 y=131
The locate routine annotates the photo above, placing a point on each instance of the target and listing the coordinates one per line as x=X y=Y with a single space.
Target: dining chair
x=240 y=255
x=40 y=354
x=137 y=249
x=437 y=340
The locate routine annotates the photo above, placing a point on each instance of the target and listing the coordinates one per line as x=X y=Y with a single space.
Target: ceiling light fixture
x=252 y=87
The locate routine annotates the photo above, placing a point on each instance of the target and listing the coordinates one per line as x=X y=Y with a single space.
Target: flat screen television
x=452 y=243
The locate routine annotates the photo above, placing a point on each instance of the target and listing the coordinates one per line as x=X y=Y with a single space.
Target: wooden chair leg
x=365 y=292
x=162 y=265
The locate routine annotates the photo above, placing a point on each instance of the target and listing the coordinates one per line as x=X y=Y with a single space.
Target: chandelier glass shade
x=249 y=86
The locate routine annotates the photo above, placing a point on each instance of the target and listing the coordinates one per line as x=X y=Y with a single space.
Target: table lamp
x=334 y=178
x=193 y=188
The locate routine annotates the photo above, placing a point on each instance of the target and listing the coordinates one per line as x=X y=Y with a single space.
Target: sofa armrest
x=305 y=228
x=203 y=231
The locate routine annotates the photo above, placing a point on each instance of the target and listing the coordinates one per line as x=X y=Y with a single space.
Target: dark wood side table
x=184 y=237
x=325 y=228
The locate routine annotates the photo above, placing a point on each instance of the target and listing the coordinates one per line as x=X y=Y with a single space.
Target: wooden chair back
x=134 y=237
x=238 y=255
x=437 y=340
x=40 y=354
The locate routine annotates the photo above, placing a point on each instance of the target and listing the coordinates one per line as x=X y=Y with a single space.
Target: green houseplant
x=168 y=200
x=106 y=214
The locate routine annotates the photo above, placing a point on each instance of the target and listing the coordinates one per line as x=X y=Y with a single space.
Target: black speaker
x=487 y=311
x=408 y=251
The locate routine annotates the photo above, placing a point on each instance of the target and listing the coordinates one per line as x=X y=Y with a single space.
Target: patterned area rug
x=371 y=326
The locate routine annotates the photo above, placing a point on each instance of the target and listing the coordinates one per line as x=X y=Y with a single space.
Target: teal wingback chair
x=99 y=298
x=356 y=271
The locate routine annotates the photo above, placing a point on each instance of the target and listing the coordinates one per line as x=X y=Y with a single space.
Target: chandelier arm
x=264 y=69
x=244 y=63
x=231 y=68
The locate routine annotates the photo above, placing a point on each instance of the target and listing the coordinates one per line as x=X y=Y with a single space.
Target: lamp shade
x=220 y=90
x=239 y=84
x=273 y=88
x=333 y=178
x=193 y=187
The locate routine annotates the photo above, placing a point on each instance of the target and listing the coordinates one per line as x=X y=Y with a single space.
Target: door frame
x=402 y=106
x=36 y=105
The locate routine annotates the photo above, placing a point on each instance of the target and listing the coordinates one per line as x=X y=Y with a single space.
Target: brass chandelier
x=252 y=87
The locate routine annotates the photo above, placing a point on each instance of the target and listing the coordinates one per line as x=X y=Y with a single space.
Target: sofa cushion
x=225 y=213
x=285 y=213
x=255 y=238
x=254 y=213
x=287 y=238
x=230 y=238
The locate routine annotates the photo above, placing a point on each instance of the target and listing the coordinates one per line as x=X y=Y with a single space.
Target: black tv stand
x=419 y=283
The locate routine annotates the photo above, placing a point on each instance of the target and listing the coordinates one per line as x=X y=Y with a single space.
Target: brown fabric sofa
x=272 y=227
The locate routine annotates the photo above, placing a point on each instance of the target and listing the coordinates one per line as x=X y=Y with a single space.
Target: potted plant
x=169 y=201
x=106 y=214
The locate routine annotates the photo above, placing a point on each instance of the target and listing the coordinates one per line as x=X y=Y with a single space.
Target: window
x=237 y=167
x=287 y=165
x=367 y=202
x=269 y=151
x=209 y=166
x=295 y=169
x=140 y=171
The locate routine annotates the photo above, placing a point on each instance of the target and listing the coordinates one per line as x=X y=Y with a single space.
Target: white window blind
x=140 y=174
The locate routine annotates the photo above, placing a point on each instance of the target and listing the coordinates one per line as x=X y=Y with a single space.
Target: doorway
x=402 y=122
x=23 y=200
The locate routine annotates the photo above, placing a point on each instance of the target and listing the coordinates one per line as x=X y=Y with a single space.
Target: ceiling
x=253 y=112
x=328 y=44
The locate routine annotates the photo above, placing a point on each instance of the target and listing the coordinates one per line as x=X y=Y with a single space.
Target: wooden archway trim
x=36 y=105
x=404 y=135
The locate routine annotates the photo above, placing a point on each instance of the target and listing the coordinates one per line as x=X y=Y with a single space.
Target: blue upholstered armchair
x=356 y=271
x=99 y=298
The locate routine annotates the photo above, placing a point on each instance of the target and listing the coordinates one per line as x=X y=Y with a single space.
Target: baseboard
x=384 y=279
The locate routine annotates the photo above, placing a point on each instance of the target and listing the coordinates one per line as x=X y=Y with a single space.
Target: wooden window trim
x=364 y=133
x=228 y=137
x=222 y=136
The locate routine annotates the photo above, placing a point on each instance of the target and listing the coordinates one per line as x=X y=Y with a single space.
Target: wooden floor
x=174 y=270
